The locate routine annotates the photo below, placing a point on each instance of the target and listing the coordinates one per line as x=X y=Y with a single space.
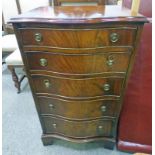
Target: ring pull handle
x=100 y=130
x=54 y=125
x=51 y=106
x=106 y=87
x=43 y=62
x=114 y=37
x=47 y=83
x=103 y=108
x=110 y=60
x=100 y=127
x=38 y=37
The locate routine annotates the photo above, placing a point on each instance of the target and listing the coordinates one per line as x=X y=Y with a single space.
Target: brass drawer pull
x=54 y=126
x=100 y=127
x=51 y=106
x=106 y=87
x=38 y=37
x=103 y=108
x=114 y=37
x=100 y=130
x=110 y=60
x=43 y=62
x=47 y=83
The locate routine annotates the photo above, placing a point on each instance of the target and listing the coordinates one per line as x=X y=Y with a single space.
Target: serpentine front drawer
x=82 y=129
x=81 y=110
x=78 y=38
x=77 y=88
x=89 y=64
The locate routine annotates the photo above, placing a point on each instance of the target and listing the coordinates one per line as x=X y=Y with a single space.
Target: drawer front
x=78 y=129
x=78 y=109
x=72 y=38
x=79 y=64
x=68 y=87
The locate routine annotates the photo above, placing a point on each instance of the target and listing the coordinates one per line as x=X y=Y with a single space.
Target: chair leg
x=15 y=78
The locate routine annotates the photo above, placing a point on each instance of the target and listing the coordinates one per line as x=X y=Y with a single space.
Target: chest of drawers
x=78 y=60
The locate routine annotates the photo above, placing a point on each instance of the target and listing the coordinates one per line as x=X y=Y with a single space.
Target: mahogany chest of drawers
x=78 y=60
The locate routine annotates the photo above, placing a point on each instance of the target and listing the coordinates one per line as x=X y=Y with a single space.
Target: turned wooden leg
x=15 y=78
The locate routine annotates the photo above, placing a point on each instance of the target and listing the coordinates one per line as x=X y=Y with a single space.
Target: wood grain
x=82 y=38
x=80 y=110
x=79 y=63
x=83 y=14
x=82 y=129
x=76 y=42
x=78 y=88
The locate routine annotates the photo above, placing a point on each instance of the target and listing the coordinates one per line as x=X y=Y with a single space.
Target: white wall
x=9 y=7
x=31 y=4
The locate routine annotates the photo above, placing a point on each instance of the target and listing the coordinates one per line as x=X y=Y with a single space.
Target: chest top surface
x=78 y=14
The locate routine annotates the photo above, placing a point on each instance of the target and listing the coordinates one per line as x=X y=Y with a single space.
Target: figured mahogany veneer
x=79 y=63
x=88 y=109
x=77 y=88
x=91 y=128
x=78 y=38
x=78 y=60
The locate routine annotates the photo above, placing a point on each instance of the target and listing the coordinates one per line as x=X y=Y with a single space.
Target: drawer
x=78 y=109
x=78 y=38
x=79 y=63
x=69 y=87
x=82 y=129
